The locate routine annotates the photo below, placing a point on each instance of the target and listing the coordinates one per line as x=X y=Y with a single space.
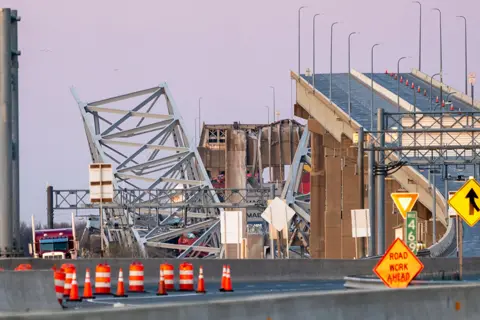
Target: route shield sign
x=466 y=202
x=398 y=266
x=412 y=231
x=404 y=201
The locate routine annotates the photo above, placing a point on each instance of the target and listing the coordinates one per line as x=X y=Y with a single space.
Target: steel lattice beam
x=143 y=135
x=299 y=202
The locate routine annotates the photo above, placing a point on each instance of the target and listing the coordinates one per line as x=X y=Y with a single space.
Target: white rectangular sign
x=360 y=223
x=101 y=182
x=451 y=211
x=231 y=226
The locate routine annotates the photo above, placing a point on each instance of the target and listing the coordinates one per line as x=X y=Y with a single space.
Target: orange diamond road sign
x=464 y=201
x=398 y=266
x=404 y=201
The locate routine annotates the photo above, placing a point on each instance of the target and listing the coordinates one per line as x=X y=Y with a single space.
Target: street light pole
x=466 y=55
x=331 y=58
x=448 y=96
x=420 y=39
x=273 y=88
x=441 y=47
x=371 y=104
x=199 y=118
x=313 y=77
x=299 y=11
x=398 y=82
x=268 y=114
x=431 y=87
x=349 y=74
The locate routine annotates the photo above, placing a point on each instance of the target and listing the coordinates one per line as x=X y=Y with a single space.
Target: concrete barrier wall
x=404 y=104
x=250 y=270
x=27 y=290
x=447 y=89
x=436 y=302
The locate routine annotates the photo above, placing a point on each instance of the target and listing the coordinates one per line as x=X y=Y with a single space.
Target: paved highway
x=241 y=290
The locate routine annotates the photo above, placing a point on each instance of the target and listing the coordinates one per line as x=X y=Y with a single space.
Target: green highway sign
x=412 y=231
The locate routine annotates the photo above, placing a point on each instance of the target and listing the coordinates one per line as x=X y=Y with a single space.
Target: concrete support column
x=5 y=131
x=236 y=177
x=317 y=197
x=350 y=200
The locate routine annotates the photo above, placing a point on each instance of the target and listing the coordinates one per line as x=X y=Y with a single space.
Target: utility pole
x=7 y=193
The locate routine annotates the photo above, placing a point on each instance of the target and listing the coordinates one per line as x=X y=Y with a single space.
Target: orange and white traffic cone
x=418 y=90
x=406 y=82
x=162 y=291
x=386 y=71
x=425 y=92
x=413 y=85
x=87 y=288
x=224 y=278
x=201 y=282
x=437 y=100
x=452 y=108
x=396 y=76
x=120 y=285
x=401 y=79
x=228 y=281
x=74 y=290
x=443 y=103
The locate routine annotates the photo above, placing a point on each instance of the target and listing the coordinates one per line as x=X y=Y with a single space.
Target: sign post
x=472 y=77
x=101 y=190
x=398 y=266
x=277 y=214
x=465 y=202
x=412 y=231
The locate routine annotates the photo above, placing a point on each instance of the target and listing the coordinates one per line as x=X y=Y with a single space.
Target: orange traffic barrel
x=69 y=269
x=23 y=267
x=102 y=279
x=136 y=277
x=168 y=275
x=59 y=281
x=185 y=276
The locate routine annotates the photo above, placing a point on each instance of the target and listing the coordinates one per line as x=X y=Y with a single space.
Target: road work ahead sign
x=465 y=201
x=398 y=266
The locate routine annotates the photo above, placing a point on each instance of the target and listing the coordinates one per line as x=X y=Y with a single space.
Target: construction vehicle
x=54 y=243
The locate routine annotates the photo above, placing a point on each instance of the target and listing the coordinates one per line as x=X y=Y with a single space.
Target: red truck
x=54 y=243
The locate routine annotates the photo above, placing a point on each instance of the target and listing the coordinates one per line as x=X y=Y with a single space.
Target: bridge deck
x=360 y=111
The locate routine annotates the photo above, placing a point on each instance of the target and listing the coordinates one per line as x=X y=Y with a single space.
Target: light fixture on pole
x=466 y=55
x=371 y=103
x=441 y=46
x=199 y=118
x=273 y=88
x=331 y=58
x=431 y=88
x=313 y=77
x=448 y=96
x=398 y=82
x=195 y=138
x=349 y=74
x=299 y=11
x=419 y=38
x=268 y=114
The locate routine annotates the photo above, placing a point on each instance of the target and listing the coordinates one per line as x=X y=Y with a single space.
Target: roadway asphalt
x=240 y=290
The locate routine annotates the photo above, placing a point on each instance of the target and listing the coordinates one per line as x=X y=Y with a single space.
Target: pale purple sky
x=228 y=52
